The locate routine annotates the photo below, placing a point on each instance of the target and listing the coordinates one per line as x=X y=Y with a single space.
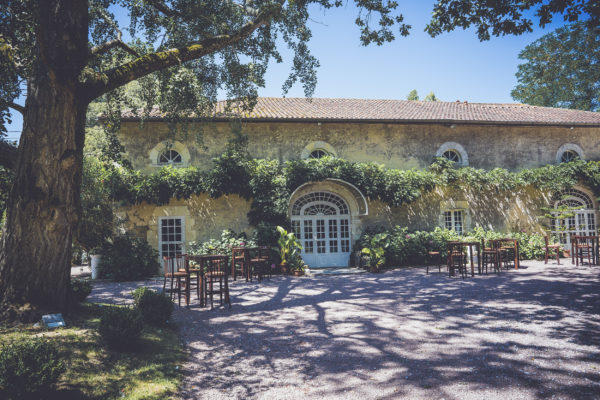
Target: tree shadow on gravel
x=532 y=333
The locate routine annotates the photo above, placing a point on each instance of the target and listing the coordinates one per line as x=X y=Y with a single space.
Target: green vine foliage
x=401 y=246
x=269 y=184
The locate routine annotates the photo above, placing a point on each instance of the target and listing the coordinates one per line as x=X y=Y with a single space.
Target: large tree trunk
x=43 y=206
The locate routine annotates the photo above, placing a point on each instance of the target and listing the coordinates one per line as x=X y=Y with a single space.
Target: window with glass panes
x=453 y=220
x=171 y=236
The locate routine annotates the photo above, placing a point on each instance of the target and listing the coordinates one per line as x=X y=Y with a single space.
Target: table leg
x=516 y=254
x=202 y=291
x=479 y=267
x=471 y=258
x=188 y=282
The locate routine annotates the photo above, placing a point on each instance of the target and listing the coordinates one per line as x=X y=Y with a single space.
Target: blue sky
x=455 y=65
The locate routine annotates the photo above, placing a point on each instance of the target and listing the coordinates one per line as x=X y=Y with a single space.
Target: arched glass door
x=321 y=221
x=580 y=216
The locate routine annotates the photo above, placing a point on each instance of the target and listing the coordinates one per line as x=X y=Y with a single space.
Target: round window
x=319 y=153
x=569 y=155
x=170 y=157
x=452 y=155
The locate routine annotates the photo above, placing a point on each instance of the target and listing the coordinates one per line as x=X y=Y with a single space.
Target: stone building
x=329 y=215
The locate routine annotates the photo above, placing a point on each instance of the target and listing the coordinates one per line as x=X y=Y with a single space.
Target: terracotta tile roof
x=398 y=111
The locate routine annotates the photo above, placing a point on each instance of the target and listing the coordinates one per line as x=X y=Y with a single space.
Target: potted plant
x=376 y=251
x=296 y=265
x=289 y=247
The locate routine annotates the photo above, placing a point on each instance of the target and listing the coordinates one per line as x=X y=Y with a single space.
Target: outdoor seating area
x=208 y=275
x=503 y=254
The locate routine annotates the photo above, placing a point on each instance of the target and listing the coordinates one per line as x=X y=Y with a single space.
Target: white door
x=322 y=223
x=581 y=220
x=171 y=237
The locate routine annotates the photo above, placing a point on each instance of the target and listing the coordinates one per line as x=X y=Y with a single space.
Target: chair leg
x=221 y=291
x=227 y=298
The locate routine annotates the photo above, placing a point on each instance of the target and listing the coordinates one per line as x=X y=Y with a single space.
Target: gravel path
x=526 y=334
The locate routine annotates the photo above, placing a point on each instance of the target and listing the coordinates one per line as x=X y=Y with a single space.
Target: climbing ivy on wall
x=269 y=184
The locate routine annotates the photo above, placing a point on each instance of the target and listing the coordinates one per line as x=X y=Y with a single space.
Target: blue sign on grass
x=53 y=320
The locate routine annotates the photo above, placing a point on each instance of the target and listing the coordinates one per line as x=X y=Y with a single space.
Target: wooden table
x=201 y=261
x=470 y=245
x=595 y=250
x=478 y=248
x=246 y=263
x=515 y=244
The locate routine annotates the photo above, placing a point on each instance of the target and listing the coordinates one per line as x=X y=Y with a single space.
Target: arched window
x=318 y=149
x=454 y=152
x=318 y=153
x=568 y=156
x=569 y=152
x=170 y=157
x=452 y=155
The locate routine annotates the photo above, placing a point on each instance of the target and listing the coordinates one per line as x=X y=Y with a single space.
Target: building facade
x=330 y=215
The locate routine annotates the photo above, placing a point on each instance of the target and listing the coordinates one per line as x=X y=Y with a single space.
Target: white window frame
x=569 y=147
x=317 y=145
x=456 y=147
x=160 y=237
x=453 y=220
x=170 y=161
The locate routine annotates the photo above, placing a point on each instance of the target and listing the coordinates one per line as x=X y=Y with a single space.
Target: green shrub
x=223 y=245
x=128 y=258
x=79 y=290
x=29 y=368
x=120 y=326
x=403 y=247
x=156 y=308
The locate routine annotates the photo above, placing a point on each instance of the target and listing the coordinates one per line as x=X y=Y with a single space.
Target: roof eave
x=383 y=121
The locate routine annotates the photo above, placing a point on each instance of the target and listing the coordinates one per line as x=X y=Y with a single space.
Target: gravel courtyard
x=526 y=334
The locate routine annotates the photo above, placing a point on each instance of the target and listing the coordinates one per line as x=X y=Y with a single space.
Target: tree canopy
x=562 y=69
x=413 y=95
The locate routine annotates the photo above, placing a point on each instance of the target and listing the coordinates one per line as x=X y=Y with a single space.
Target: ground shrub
x=120 y=327
x=128 y=258
x=29 y=368
x=80 y=289
x=403 y=247
x=156 y=308
x=222 y=245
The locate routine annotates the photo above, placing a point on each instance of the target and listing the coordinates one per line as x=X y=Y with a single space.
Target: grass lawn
x=150 y=370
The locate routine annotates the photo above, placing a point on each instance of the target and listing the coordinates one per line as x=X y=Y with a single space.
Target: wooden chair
x=551 y=248
x=195 y=279
x=489 y=256
x=433 y=258
x=177 y=276
x=456 y=259
x=583 y=247
x=239 y=262
x=216 y=273
x=259 y=264
x=503 y=256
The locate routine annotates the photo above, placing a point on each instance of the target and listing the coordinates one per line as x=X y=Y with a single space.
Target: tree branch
x=101 y=48
x=142 y=66
x=8 y=155
x=16 y=106
x=163 y=8
x=117 y=42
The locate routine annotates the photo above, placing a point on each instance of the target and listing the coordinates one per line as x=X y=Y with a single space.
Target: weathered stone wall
x=395 y=145
x=205 y=218
x=488 y=209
